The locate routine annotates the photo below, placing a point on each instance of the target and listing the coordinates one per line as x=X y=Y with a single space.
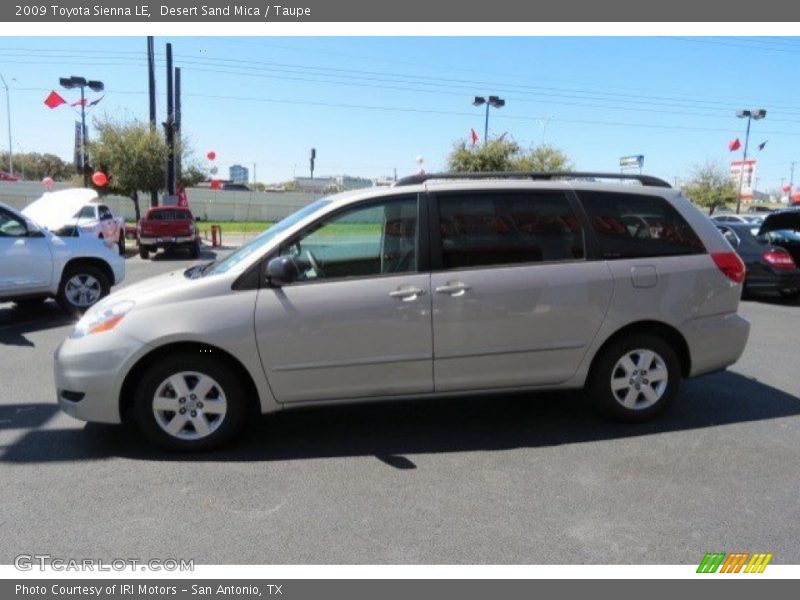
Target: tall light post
x=495 y=101
x=96 y=86
x=8 y=115
x=750 y=115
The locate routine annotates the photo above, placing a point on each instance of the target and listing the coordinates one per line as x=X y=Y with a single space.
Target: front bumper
x=89 y=373
x=715 y=342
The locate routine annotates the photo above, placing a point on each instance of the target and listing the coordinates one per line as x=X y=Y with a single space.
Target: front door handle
x=454 y=288
x=407 y=293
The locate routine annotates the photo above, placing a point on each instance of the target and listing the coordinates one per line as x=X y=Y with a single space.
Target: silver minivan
x=441 y=285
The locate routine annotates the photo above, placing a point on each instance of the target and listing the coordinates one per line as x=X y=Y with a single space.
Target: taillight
x=730 y=264
x=779 y=259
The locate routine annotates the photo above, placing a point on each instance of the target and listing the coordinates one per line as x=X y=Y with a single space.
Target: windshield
x=258 y=243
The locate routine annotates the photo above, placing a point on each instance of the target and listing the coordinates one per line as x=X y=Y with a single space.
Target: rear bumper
x=774 y=282
x=715 y=342
x=163 y=242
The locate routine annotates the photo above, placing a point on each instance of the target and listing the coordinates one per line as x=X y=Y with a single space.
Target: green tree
x=497 y=155
x=34 y=166
x=544 y=158
x=711 y=187
x=506 y=155
x=132 y=155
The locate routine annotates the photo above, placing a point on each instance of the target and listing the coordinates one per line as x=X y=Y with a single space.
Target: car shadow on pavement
x=183 y=255
x=393 y=431
x=16 y=322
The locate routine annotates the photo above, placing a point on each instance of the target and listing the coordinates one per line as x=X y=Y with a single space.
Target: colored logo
x=735 y=562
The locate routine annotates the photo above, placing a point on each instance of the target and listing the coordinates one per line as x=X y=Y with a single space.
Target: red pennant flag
x=734 y=145
x=787 y=188
x=79 y=102
x=473 y=136
x=53 y=100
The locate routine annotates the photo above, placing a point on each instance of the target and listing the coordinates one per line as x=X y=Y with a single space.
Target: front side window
x=11 y=226
x=638 y=225
x=504 y=228
x=379 y=238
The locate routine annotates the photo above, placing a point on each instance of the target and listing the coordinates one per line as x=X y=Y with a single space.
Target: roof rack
x=646 y=180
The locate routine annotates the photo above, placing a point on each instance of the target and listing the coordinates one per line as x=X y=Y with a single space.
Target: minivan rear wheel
x=635 y=378
x=190 y=403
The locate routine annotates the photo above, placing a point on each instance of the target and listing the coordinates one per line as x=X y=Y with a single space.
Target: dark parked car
x=168 y=227
x=782 y=229
x=769 y=267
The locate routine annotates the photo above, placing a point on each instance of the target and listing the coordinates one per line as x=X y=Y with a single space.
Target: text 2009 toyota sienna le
x=440 y=285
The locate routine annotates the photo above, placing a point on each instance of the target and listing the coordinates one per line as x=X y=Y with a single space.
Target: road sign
x=748 y=179
x=632 y=162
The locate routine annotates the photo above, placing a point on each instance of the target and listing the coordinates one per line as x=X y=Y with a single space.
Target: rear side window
x=503 y=228
x=634 y=225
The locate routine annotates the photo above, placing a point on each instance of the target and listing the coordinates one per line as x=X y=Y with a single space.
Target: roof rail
x=646 y=180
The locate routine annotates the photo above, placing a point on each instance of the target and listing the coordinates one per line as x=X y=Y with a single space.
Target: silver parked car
x=441 y=285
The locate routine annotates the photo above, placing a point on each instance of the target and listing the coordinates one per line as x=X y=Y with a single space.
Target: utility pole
x=169 y=126
x=8 y=115
x=311 y=161
x=254 y=175
x=151 y=88
x=178 y=165
x=791 y=182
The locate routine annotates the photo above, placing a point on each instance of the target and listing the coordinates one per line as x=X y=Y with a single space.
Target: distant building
x=239 y=174
x=334 y=183
x=315 y=184
x=346 y=182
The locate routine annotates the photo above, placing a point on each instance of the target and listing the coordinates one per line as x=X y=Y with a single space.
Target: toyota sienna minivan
x=442 y=285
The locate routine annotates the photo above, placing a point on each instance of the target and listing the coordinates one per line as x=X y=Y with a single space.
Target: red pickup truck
x=167 y=227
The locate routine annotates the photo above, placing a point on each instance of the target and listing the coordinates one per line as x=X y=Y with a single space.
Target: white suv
x=36 y=264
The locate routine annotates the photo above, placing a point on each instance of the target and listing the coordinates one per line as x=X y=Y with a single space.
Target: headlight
x=103 y=319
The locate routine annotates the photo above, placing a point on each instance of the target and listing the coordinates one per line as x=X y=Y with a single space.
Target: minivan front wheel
x=635 y=378
x=189 y=403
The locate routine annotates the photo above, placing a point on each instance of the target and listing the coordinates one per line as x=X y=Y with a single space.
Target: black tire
x=144 y=252
x=121 y=244
x=30 y=303
x=81 y=270
x=194 y=249
x=232 y=422
x=606 y=399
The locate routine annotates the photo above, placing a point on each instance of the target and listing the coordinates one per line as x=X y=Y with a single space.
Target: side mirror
x=281 y=270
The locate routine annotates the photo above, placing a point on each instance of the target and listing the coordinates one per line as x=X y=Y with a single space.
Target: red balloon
x=215 y=184
x=211 y=155
x=99 y=179
x=48 y=182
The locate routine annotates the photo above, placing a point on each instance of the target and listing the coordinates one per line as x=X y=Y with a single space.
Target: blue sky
x=369 y=105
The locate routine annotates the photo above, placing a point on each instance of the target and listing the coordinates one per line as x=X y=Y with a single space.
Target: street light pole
x=96 y=86
x=8 y=115
x=486 y=126
x=495 y=101
x=757 y=114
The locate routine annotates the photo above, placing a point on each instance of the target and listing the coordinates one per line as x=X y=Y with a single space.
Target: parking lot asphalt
x=512 y=479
